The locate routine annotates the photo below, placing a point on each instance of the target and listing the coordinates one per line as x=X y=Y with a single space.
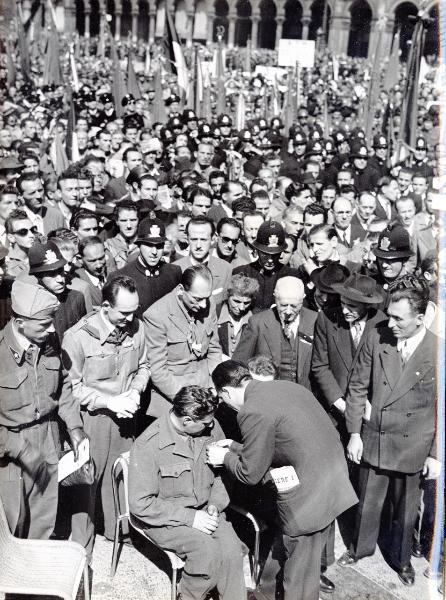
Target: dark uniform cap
x=44 y=258
x=299 y=138
x=420 y=144
x=107 y=97
x=89 y=97
x=224 y=121
x=151 y=231
x=393 y=242
x=326 y=277
x=204 y=130
x=339 y=138
x=263 y=125
x=271 y=140
x=171 y=99
x=316 y=133
x=189 y=115
x=245 y=135
x=313 y=148
x=166 y=135
x=127 y=98
x=379 y=141
x=215 y=129
x=329 y=147
x=175 y=123
x=270 y=238
x=32 y=301
x=359 y=150
x=276 y=123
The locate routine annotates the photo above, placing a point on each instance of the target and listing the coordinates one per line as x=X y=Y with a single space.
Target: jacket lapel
x=272 y=336
x=304 y=343
x=341 y=336
x=415 y=369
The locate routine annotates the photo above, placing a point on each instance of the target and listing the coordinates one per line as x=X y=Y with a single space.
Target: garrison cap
x=32 y=301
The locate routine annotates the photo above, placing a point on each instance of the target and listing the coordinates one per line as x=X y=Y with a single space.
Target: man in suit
x=339 y=335
x=94 y=268
x=283 y=427
x=396 y=372
x=32 y=194
x=200 y=232
x=348 y=233
x=182 y=338
x=388 y=192
x=283 y=333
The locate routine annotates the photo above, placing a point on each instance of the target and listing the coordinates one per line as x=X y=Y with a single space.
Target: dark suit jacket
x=95 y=292
x=357 y=232
x=221 y=276
x=282 y=424
x=333 y=360
x=263 y=336
x=401 y=432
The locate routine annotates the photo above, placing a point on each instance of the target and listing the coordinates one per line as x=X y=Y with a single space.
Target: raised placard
x=293 y=51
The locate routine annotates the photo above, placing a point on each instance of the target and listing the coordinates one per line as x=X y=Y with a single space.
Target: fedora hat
x=359 y=288
x=324 y=278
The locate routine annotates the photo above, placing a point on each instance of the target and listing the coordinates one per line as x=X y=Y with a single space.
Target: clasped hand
x=124 y=405
x=206 y=520
x=217 y=451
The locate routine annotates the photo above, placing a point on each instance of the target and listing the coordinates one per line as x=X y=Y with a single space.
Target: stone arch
x=221 y=18
x=432 y=40
x=80 y=17
x=292 y=26
x=143 y=20
x=243 y=24
x=200 y=21
x=360 y=26
x=267 y=24
x=317 y=19
x=95 y=16
x=403 y=12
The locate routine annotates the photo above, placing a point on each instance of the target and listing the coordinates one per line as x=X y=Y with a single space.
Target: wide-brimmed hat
x=44 y=258
x=359 y=288
x=270 y=238
x=393 y=242
x=326 y=277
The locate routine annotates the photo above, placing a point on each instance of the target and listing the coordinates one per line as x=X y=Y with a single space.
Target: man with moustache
x=31 y=193
x=122 y=247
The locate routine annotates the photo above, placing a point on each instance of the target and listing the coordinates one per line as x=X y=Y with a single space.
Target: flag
x=23 y=45
x=74 y=76
x=409 y=111
x=288 y=111
x=374 y=84
x=220 y=75
x=240 y=112
x=118 y=86
x=206 y=107
x=132 y=81
x=195 y=97
x=52 y=73
x=147 y=63
x=335 y=68
x=325 y=117
x=176 y=54
x=72 y=149
x=159 y=108
x=393 y=66
x=58 y=155
x=247 y=67
x=10 y=65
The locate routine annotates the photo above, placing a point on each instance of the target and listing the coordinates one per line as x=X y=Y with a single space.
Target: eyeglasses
x=227 y=240
x=24 y=231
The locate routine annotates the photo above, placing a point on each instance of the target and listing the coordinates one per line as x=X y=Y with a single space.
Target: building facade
x=350 y=26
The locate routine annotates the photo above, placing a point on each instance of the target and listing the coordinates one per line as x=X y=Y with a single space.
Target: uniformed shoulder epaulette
x=150 y=432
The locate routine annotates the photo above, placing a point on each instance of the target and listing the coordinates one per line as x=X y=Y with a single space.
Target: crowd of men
x=237 y=302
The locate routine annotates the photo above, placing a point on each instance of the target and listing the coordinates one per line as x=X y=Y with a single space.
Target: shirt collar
x=412 y=343
x=225 y=316
x=104 y=326
x=23 y=342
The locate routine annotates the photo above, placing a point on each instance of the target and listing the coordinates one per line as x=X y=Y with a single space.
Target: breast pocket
x=100 y=367
x=12 y=391
x=177 y=348
x=129 y=356
x=176 y=480
x=51 y=374
x=424 y=391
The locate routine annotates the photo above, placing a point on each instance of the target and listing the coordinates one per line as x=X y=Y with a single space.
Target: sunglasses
x=227 y=240
x=24 y=231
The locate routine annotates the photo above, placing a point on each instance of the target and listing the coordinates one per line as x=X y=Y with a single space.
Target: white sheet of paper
x=68 y=465
x=285 y=478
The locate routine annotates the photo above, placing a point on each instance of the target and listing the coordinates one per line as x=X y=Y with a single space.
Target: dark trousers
x=210 y=560
x=403 y=490
x=301 y=573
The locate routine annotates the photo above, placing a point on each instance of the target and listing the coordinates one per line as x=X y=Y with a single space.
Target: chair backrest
x=122 y=462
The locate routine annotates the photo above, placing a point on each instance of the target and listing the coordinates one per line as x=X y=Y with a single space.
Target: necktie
x=117 y=336
x=404 y=352
x=31 y=354
x=356 y=334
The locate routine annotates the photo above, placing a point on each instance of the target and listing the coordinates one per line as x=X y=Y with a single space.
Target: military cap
x=175 y=123
x=89 y=97
x=127 y=98
x=299 y=138
x=171 y=99
x=189 y=115
x=224 y=121
x=204 y=130
x=379 y=141
x=359 y=150
x=215 y=129
x=151 y=231
x=270 y=238
x=44 y=258
x=276 y=123
x=245 y=135
x=393 y=242
x=313 y=148
x=420 y=143
x=271 y=140
x=107 y=97
x=339 y=137
x=329 y=147
x=10 y=163
x=32 y=301
x=315 y=132
x=263 y=124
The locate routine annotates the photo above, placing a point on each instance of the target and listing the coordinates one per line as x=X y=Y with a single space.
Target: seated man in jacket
x=179 y=500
